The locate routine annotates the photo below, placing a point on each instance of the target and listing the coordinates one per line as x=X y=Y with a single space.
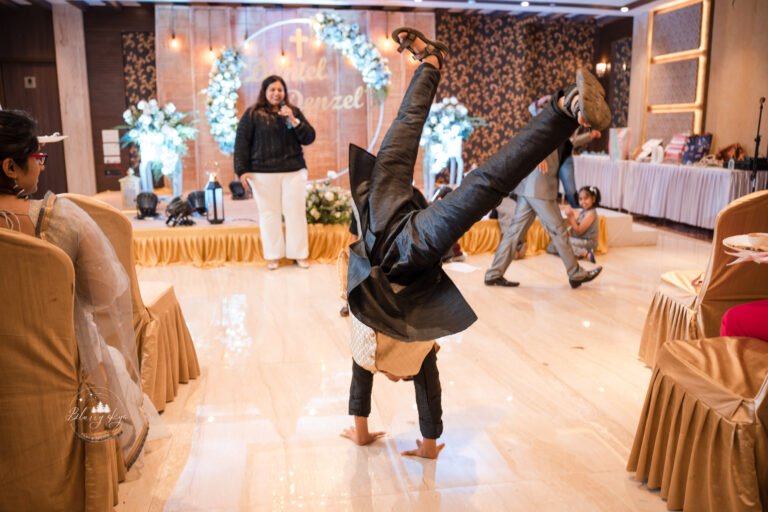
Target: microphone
x=287 y=119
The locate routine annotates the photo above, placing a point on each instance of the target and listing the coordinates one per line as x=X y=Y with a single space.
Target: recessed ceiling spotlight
x=525 y=4
x=624 y=9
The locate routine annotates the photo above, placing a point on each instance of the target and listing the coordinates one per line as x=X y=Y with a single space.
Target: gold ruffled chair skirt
x=702 y=438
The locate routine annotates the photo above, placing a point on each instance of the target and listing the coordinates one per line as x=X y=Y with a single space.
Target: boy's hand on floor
x=359 y=437
x=427 y=449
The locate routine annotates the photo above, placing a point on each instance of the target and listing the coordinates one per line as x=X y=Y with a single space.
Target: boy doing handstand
x=400 y=299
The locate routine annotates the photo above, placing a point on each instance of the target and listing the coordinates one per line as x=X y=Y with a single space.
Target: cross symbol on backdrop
x=299 y=39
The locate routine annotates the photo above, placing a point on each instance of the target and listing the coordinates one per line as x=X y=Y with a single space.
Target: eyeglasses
x=40 y=157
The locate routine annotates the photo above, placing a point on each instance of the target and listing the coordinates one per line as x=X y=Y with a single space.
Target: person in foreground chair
x=400 y=299
x=103 y=310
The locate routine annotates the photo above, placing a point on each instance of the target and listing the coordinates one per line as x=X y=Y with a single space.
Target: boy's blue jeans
x=568 y=180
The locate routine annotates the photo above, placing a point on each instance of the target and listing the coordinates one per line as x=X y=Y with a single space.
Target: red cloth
x=750 y=319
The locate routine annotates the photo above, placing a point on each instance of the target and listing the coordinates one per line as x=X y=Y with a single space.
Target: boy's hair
x=594 y=192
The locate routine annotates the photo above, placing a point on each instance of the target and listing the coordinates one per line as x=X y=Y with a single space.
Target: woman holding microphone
x=269 y=160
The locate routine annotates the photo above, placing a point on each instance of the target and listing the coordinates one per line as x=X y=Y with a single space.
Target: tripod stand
x=753 y=177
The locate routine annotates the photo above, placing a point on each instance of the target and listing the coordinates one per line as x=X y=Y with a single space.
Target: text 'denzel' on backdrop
x=328 y=89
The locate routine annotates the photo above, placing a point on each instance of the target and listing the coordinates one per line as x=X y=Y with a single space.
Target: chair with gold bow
x=702 y=438
x=45 y=465
x=166 y=352
x=680 y=310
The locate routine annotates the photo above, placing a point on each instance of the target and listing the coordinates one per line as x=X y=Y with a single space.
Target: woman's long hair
x=18 y=140
x=262 y=105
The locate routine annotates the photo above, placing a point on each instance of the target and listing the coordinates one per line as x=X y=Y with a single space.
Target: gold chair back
x=119 y=231
x=727 y=286
x=43 y=464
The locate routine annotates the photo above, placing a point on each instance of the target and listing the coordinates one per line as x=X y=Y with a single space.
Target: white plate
x=54 y=137
x=750 y=242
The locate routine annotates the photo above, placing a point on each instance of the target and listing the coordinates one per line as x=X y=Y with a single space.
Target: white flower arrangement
x=160 y=132
x=352 y=44
x=328 y=204
x=447 y=121
x=221 y=98
x=224 y=78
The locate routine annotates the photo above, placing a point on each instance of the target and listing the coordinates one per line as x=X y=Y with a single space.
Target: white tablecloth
x=681 y=193
x=605 y=174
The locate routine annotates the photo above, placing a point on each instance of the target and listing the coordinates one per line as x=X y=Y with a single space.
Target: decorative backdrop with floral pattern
x=499 y=65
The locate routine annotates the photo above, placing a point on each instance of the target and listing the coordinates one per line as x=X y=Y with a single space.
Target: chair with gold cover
x=45 y=465
x=167 y=354
x=681 y=311
x=702 y=438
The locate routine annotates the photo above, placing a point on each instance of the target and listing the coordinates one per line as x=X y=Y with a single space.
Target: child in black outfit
x=399 y=296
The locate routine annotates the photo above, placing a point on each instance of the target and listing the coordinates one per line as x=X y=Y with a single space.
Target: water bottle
x=731 y=164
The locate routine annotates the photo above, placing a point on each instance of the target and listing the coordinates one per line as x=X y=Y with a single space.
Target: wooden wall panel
x=320 y=81
x=73 y=95
x=104 y=27
x=27 y=49
x=26 y=35
x=738 y=74
x=42 y=103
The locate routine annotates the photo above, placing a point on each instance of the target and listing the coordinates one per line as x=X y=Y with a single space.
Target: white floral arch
x=224 y=78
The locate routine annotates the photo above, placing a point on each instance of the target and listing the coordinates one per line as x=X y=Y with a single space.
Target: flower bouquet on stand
x=447 y=125
x=161 y=133
x=328 y=204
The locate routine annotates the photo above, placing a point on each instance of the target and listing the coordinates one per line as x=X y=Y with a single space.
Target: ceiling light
x=525 y=4
x=624 y=9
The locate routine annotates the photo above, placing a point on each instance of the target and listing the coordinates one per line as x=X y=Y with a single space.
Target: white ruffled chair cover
x=45 y=466
x=702 y=438
x=679 y=311
x=167 y=354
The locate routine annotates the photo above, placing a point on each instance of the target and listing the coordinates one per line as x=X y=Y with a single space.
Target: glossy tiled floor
x=541 y=396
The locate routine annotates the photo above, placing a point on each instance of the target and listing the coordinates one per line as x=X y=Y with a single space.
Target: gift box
x=696 y=148
x=618 y=143
x=674 y=151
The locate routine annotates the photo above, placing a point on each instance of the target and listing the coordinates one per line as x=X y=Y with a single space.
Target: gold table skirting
x=167 y=352
x=213 y=246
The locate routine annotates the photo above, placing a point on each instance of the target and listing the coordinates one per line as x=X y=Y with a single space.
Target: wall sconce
x=601 y=68
x=386 y=42
x=174 y=41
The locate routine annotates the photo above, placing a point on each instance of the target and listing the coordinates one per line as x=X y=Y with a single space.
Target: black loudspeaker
x=746 y=164
x=179 y=212
x=196 y=200
x=238 y=190
x=146 y=203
